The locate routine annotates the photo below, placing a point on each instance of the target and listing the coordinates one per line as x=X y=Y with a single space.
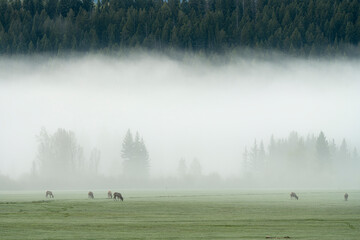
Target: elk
x=293 y=195
x=49 y=194
x=110 y=195
x=118 y=196
x=346 y=196
x=91 y=195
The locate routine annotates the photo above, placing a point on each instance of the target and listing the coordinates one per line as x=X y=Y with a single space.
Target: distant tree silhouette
x=195 y=169
x=135 y=157
x=182 y=168
x=58 y=154
x=94 y=160
x=322 y=151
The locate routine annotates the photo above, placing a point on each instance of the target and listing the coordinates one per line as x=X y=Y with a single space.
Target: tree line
x=59 y=155
x=292 y=160
x=296 y=156
x=312 y=27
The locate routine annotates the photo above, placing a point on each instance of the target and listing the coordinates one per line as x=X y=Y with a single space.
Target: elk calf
x=110 y=194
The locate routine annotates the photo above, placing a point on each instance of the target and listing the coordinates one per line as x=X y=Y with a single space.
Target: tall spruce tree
x=245 y=163
x=322 y=152
x=135 y=157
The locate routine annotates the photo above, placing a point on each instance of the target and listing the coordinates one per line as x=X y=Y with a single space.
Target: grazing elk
x=118 y=196
x=91 y=195
x=346 y=196
x=110 y=195
x=49 y=194
x=293 y=195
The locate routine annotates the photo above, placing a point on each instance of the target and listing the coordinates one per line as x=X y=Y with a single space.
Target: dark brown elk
x=110 y=195
x=118 y=196
x=91 y=195
x=346 y=196
x=49 y=194
x=293 y=195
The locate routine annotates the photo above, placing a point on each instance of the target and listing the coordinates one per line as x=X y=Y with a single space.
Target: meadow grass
x=220 y=214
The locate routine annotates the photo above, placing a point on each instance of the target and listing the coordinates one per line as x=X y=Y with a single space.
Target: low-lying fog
x=184 y=109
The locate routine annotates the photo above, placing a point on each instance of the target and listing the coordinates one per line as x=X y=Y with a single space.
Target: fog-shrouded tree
x=94 y=160
x=323 y=152
x=261 y=155
x=182 y=168
x=333 y=149
x=80 y=159
x=344 y=153
x=246 y=167
x=195 y=169
x=135 y=157
x=254 y=157
x=127 y=147
x=294 y=156
x=58 y=154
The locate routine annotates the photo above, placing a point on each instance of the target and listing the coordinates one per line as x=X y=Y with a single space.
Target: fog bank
x=184 y=109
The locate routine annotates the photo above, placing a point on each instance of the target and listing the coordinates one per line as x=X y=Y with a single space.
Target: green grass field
x=225 y=214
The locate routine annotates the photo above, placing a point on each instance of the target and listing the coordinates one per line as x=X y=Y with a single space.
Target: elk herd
x=116 y=195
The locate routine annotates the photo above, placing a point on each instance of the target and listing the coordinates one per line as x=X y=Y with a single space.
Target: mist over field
x=190 y=110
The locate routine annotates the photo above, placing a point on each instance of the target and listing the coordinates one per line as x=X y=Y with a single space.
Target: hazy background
x=183 y=108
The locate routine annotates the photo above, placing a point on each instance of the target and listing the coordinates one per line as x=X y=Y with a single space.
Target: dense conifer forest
x=313 y=27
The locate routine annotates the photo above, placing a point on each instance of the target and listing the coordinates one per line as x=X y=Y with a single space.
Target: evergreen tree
x=51 y=7
x=127 y=150
x=195 y=169
x=322 y=151
x=245 y=163
x=261 y=154
x=343 y=151
x=135 y=157
x=254 y=157
x=182 y=168
x=88 y=5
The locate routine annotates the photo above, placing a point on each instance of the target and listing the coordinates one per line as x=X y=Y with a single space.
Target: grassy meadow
x=150 y=214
